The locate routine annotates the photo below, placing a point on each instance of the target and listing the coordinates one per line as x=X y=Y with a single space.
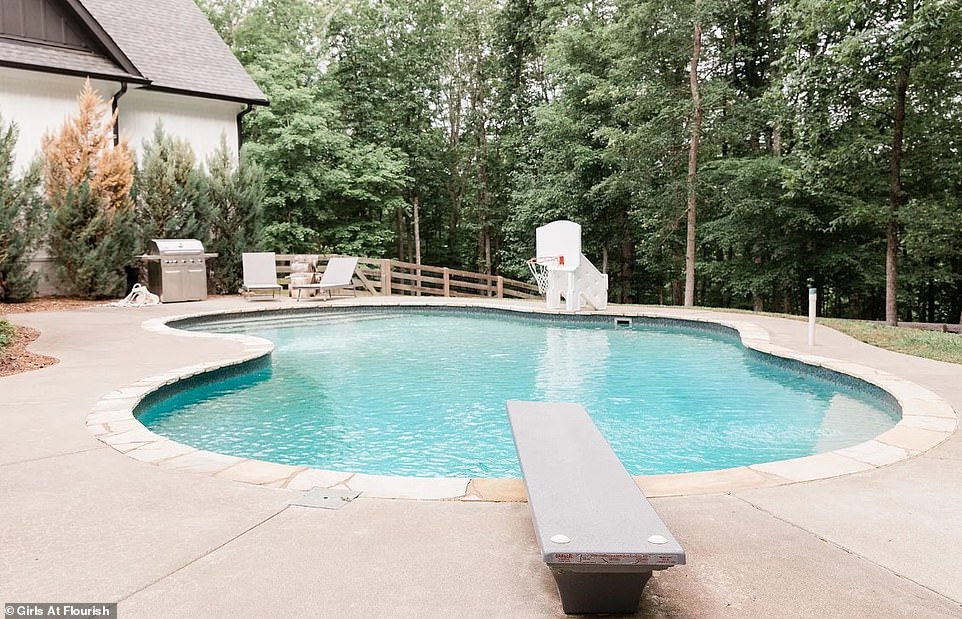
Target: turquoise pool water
x=423 y=394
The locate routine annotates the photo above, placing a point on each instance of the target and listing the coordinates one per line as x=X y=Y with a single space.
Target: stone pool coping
x=927 y=420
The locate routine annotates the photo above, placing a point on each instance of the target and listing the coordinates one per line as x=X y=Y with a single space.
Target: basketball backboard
x=560 y=238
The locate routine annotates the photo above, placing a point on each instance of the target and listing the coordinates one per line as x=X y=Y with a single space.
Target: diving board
x=597 y=532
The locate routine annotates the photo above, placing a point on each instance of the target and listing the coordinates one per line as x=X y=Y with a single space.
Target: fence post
x=386 y=277
x=500 y=286
x=447 y=282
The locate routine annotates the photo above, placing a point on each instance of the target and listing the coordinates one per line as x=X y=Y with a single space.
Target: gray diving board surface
x=598 y=533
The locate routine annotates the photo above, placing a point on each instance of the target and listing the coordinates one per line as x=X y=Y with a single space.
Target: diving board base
x=599 y=592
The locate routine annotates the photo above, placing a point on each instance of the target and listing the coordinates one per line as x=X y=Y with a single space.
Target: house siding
x=201 y=122
x=39 y=103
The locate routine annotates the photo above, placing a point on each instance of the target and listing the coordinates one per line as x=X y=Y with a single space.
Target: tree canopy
x=827 y=153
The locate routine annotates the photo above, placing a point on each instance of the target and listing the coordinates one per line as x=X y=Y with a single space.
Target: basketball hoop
x=539 y=269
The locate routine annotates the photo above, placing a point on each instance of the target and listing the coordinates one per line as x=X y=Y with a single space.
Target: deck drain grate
x=326 y=498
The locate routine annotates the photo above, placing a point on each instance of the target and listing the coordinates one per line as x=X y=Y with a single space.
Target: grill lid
x=175 y=246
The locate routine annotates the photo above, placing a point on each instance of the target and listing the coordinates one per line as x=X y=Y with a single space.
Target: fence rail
x=384 y=276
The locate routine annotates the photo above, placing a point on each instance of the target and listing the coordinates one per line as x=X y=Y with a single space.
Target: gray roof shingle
x=65 y=60
x=170 y=42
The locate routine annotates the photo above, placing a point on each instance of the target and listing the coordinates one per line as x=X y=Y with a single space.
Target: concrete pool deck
x=82 y=521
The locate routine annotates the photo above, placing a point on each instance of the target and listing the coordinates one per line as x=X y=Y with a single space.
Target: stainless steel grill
x=177 y=269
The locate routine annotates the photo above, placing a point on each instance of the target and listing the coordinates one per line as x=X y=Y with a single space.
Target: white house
x=152 y=59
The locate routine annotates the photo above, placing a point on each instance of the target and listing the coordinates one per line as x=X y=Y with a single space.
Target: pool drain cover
x=326 y=498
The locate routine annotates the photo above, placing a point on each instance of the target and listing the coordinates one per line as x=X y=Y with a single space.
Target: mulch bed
x=46 y=304
x=15 y=358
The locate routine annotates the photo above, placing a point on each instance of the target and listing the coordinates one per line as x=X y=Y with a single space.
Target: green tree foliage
x=170 y=198
x=235 y=194
x=293 y=139
x=611 y=141
x=227 y=16
x=289 y=238
x=23 y=221
x=474 y=211
x=864 y=96
x=92 y=245
x=456 y=128
x=325 y=188
x=386 y=76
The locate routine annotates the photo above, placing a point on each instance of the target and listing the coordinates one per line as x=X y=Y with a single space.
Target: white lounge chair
x=260 y=273
x=338 y=274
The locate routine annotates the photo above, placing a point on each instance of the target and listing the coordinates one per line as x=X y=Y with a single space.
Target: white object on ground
x=139 y=296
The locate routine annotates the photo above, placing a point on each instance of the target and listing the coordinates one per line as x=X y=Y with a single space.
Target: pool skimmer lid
x=326 y=498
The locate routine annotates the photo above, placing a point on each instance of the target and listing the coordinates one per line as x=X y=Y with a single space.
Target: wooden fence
x=384 y=276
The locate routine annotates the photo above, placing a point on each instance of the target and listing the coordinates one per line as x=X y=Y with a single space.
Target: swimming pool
x=421 y=393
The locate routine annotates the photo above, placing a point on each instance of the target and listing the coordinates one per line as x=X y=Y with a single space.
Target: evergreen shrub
x=235 y=194
x=170 y=198
x=87 y=181
x=23 y=221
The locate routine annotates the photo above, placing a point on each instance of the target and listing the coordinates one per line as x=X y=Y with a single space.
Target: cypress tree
x=87 y=181
x=23 y=221
x=169 y=189
x=235 y=195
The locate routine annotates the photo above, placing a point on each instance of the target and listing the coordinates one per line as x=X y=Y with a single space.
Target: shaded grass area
x=934 y=345
x=928 y=344
x=6 y=334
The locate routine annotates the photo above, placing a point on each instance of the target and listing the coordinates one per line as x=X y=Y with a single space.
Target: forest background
x=764 y=146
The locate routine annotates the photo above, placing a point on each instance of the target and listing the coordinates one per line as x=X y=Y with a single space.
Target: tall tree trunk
x=481 y=154
x=693 y=161
x=758 y=301
x=627 y=258
x=417 y=230
x=417 y=241
x=895 y=186
x=483 y=260
x=487 y=251
x=400 y=234
x=677 y=292
x=627 y=270
x=456 y=184
x=454 y=221
x=895 y=200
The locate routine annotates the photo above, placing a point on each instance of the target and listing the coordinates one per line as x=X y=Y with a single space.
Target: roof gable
x=59 y=36
x=44 y=21
x=168 y=45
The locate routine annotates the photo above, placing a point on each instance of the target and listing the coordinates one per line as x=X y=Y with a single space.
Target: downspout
x=240 y=118
x=113 y=111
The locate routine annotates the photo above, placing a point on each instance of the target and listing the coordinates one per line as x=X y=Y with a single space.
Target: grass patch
x=6 y=334
x=928 y=344
x=918 y=342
